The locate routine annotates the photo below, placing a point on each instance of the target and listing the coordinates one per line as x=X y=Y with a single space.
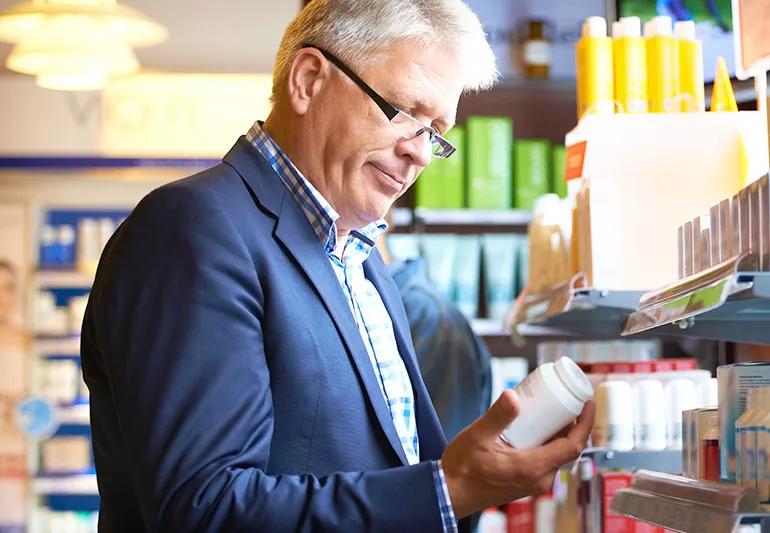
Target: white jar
x=650 y=416
x=614 y=427
x=549 y=399
x=681 y=396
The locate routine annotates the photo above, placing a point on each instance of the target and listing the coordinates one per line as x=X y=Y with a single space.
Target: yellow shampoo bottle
x=662 y=66
x=630 y=59
x=594 y=69
x=691 y=86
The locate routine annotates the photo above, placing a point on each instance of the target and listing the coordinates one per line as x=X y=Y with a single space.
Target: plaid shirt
x=365 y=303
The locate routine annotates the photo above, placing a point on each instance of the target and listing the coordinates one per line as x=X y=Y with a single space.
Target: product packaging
x=662 y=66
x=500 y=251
x=650 y=416
x=734 y=381
x=630 y=60
x=404 y=246
x=489 y=151
x=439 y=251
x=614 y=425
x=441 y=185
x=467 y=269
x=691 y=88
x=558 y=169
x=594 y=66
x=681 y=395
x=706 y=447
x=532 y=171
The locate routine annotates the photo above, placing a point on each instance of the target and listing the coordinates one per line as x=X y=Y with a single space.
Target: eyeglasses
x=406 y=125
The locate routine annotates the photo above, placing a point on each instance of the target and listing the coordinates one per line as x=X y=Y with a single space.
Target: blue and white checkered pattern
x=365 y=303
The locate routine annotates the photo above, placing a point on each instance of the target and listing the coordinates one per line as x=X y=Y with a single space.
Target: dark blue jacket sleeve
x=177 y=314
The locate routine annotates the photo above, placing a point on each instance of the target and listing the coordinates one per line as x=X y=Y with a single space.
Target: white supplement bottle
x=650 y=416
x=614 y=427
x=680 y=396
x=550 y=398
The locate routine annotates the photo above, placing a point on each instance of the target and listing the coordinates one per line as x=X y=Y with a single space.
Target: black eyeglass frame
x=390 y=111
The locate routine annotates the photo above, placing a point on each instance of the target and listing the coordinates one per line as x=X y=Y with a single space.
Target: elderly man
x=249 y=360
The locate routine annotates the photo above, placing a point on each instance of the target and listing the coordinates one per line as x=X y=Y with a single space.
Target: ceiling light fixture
x=76 y=44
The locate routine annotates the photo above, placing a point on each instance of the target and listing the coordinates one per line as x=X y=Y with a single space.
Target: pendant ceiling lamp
x=76 y=44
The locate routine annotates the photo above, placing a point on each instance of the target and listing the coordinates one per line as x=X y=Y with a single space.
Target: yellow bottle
x=690 y=67
x=630 y=59
x=662 y=66
x=594 y=69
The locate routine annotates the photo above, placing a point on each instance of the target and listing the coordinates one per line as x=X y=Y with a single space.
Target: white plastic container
x=614 y=426
x=680 y=396
x=549 y=399
x=650 y=416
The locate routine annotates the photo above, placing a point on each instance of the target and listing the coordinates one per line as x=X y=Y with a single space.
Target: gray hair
x=356 y=30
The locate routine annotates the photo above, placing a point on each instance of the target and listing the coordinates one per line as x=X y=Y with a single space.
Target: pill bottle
x=550 y=398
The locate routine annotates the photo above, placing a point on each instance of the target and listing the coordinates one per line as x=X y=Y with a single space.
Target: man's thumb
x=500 y=415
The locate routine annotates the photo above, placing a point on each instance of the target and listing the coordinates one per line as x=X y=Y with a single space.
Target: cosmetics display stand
x=688 y=505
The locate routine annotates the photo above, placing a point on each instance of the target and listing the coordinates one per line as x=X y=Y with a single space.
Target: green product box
x=489 y=143
x=558 y=168
x=441 y=184
x=532 y=171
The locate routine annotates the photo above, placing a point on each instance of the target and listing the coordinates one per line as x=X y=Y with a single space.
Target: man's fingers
x=566 y=449
x=499 y=416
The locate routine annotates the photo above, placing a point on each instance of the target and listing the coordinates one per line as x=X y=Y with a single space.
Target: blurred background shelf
x=84 y=484
x=75 y=415
x=63 y=279
x=57 y=345
x=404 y=216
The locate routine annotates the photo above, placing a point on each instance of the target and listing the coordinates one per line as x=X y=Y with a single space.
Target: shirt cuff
x=444 y=503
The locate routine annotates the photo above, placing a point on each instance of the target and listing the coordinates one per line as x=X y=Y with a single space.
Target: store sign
x=187 y=115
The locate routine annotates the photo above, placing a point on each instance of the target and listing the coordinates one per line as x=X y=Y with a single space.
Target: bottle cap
x=658 y=26
x=685 y=30
x=574 y=379
x=595 y=27
x=632 y=26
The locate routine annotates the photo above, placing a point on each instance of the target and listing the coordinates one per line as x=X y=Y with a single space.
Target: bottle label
x=537 y=52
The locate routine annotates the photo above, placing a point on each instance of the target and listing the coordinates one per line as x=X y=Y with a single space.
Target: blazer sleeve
x=177 y=314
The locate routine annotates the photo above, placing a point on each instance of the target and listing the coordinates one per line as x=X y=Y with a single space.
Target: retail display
x=442 y=183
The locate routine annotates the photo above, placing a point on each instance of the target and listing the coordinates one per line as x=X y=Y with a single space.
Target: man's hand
x=481 y=470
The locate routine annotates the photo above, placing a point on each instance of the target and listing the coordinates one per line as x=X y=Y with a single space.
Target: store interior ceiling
x=207 y=36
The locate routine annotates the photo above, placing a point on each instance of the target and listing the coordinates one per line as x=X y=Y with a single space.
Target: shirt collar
x=319 y=212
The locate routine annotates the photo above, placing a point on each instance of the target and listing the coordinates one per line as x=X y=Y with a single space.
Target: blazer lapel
x=432 y=440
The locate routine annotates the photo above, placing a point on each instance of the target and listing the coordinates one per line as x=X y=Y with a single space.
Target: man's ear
x=308 y=73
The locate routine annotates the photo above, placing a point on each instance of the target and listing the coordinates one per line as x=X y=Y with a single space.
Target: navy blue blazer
x=230 y=388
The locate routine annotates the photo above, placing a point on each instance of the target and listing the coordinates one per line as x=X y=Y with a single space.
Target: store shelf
x=58 y=346
x=569 y=310
x=489 y=327
x=723 y=303
x=402 y=216
x=446 y=217
x=669 y=461
x=688 y=505
x=80 y=484
x=75 y=415
x=63 y=279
